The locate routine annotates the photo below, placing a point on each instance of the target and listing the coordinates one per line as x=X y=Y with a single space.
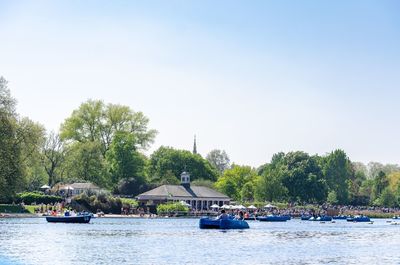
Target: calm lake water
x=180 y=241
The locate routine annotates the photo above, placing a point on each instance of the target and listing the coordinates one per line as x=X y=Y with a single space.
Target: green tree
x=85 y=162
x=380 y=183
x=94 y=121
x=338 y=172
x=234 y=179
x=167 y=160
x=269 y=187
x=332 y=198
x=219 y=160
x=303 y=178
x=387 y=198
x=11 y=177
x=125 y=162
x=247 y=191
x=53 y=155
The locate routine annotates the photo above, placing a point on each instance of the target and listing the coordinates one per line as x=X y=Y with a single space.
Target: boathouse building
x=198 y=197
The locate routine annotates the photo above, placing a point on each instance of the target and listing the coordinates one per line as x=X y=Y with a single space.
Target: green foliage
x=387 y=198
x=303 y=178
x=95 y=121
x=166 y=161
x=20 y=141
x=247 y=191
x=380 y=183
x=125 y=162
x=269 y=187
x=38 y=198
x=7 y=208
x=219 y=160
x=332 y=198
x=129 y=203
x=337 y=171
x=204 y=183
x=52 y=157
x=131 y=186
x=101 y=201
x=234 y=179
x=171 y=208
x=85 y=162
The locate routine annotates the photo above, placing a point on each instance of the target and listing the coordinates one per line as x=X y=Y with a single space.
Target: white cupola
x=185 y=179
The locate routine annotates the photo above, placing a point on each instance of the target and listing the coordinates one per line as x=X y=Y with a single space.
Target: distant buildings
x=77 y=188
x=198 y=197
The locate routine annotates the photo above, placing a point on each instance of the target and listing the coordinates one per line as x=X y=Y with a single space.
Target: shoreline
x=133 y=216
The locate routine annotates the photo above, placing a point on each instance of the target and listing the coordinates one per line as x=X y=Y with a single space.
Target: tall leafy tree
x=166 y=161
x=126 y=163
x=234 y=182
x=96 y=121
x=53 y=155
x=303 y=178
x=219 y=159
x=11 y=177
x=338 y=173
x=85 y=162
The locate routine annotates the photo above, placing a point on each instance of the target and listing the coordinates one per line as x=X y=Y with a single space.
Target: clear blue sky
x=250 y=77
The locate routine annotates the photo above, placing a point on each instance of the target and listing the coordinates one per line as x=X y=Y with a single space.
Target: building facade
x=198 y=197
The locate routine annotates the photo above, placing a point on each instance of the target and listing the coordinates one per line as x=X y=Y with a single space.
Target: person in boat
x=223 y=215
x=240 y=216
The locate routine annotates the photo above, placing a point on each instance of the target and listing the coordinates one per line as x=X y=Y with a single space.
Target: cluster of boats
x=231 y=223
x=339 y=217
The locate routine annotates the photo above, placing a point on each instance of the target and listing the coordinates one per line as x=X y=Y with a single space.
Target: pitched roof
x=84 y=186
x=166 y=191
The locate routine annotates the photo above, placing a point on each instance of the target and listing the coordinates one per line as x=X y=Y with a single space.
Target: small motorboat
x=208 y=223
x=359 y=219
x=273 y=218
x=81 y=219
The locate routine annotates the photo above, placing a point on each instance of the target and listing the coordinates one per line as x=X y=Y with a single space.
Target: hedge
x=38 y=198
x=171 y=208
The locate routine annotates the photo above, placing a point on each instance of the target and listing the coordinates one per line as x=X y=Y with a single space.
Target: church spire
x=194 y=146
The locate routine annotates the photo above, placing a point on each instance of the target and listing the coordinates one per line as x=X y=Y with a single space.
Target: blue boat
x=305 y=217
x=81 y=219
x=359 y=219
x=273 y=218
x=208 y=223
x=340 y=217
x=321 y=218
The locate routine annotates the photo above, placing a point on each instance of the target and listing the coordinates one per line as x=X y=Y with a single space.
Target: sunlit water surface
x=180 y=241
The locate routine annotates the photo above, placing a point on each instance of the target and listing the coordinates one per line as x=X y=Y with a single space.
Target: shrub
x=102 y=201
x=38 y=198
x=128 y=203
x=171 y=208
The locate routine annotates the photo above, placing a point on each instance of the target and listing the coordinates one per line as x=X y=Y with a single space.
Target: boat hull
x=82 y=219
x=305 y=217
x=207 y=223
x=340 y=217
x=273 y=218
x=359 y=219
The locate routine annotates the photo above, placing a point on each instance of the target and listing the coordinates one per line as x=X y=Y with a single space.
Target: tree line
x=105 y=143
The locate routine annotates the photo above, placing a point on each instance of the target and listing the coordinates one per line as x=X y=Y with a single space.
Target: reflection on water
x=180 y=241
